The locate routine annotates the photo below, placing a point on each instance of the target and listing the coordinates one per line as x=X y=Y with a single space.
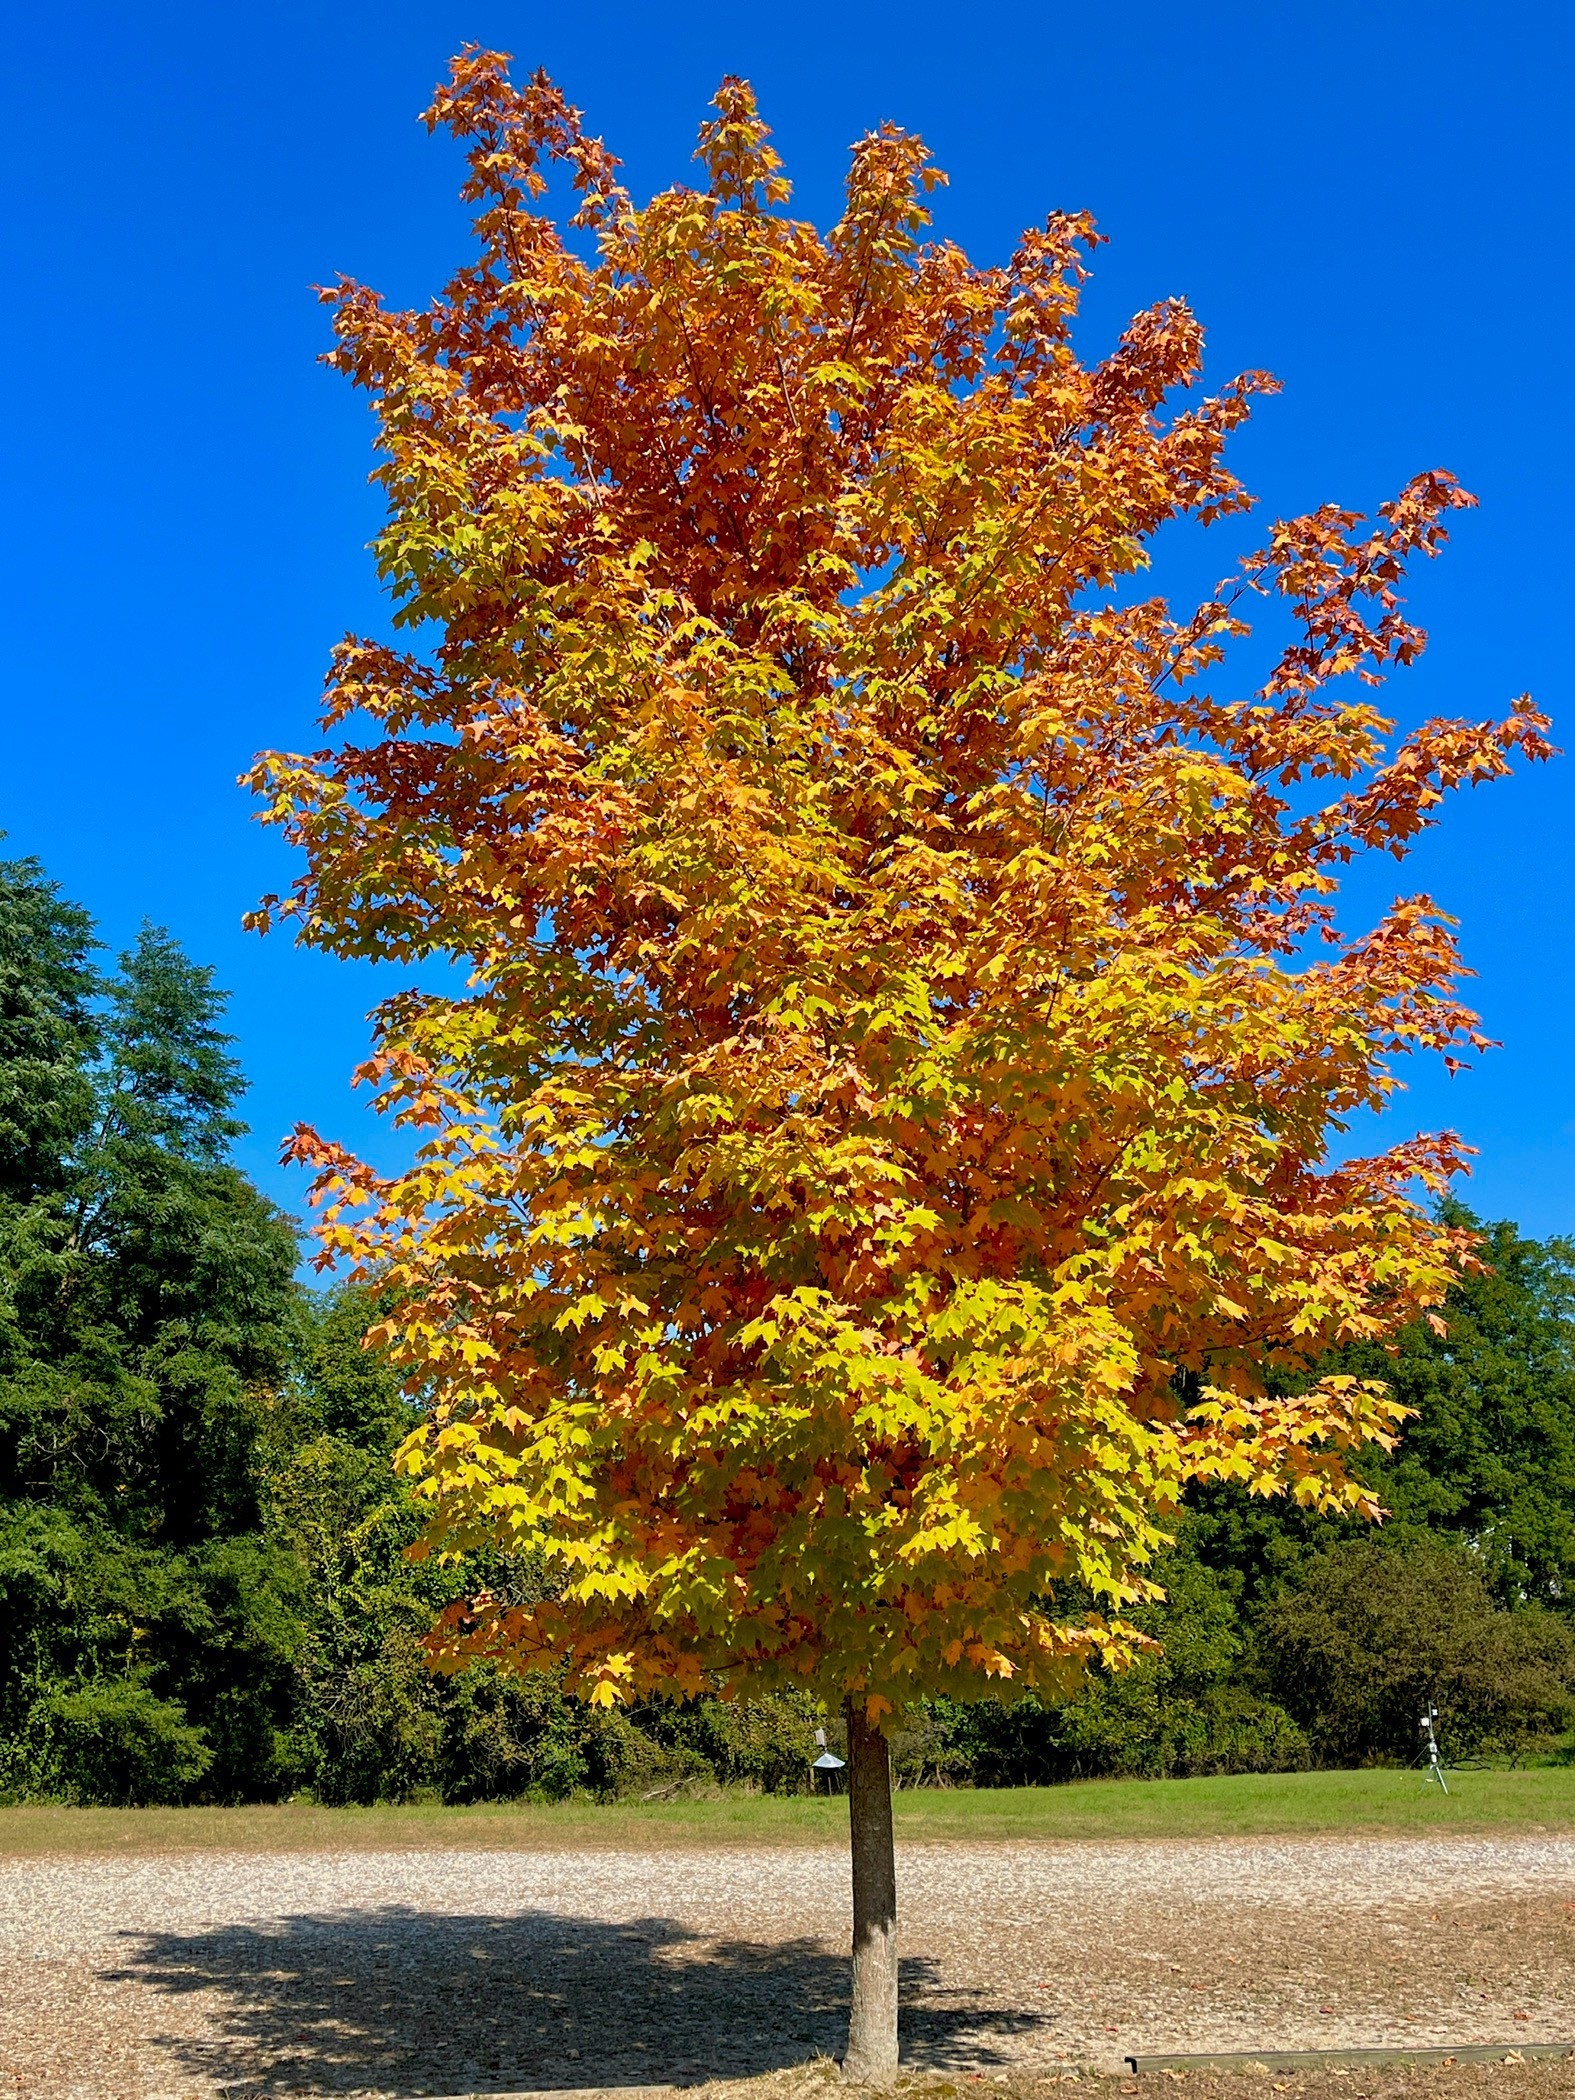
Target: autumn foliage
x=877 y=1147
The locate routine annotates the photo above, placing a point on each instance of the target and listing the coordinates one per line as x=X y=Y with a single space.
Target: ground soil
x=1509 y=2080
x=458 y=1972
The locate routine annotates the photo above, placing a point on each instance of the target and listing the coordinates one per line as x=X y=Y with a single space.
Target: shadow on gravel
x=404 y=1999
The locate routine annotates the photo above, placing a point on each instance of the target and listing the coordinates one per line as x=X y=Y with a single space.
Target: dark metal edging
x=572 y=2092
x=1314 y=2059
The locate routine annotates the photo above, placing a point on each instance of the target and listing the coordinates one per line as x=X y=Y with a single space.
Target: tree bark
x=871 y=2057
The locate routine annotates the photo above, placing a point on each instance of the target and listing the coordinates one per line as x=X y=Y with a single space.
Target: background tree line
x=204 y=1593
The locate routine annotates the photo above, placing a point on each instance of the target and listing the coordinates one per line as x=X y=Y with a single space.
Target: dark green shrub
x=1189 y=1709
x=113 y=1744
x=1371 y=1631
x=504 y=1738
x=766 y=1743
x=1136 y=1726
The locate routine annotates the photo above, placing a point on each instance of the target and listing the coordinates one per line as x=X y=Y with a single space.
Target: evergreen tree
x=167 y=1079
x=150 y=1309
x=48 y=1031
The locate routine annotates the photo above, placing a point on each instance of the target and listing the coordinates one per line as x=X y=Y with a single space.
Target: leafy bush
x=766 y=1743
x=1184 y=1711
x=1133 y=1727
x=1190 y=1708
x=507 y=1738
x=1370 y=1632
x=113 y=1744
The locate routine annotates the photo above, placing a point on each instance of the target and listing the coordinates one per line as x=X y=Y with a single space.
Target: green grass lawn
x=1281 y=1804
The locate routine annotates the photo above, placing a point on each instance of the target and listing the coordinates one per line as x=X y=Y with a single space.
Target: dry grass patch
x=1540 y=2079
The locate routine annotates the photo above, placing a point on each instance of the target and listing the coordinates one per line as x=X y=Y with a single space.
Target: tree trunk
x=871 y=2057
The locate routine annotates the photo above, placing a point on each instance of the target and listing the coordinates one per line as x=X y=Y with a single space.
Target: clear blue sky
x=1372 y=200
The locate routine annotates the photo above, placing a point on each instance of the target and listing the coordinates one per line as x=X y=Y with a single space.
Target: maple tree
x=880 y=1154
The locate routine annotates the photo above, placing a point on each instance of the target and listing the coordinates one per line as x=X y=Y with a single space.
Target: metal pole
x=1435 y=1763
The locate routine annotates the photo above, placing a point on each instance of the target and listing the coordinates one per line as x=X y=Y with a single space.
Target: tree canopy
x=882 y=1154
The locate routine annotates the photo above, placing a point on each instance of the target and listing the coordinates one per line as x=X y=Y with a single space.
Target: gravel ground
x=259 y=1974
